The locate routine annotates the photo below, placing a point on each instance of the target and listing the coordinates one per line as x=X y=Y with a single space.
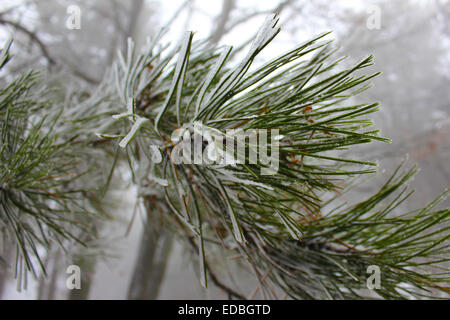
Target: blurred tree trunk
x=4 y=269
x=3 y=277
x=87 y=267
x=87 y=263
x=47 y=285
x=155 y=246
x=221 y=21
x=135 y=9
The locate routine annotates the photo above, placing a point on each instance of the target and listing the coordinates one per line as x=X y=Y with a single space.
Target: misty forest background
x=412 y=49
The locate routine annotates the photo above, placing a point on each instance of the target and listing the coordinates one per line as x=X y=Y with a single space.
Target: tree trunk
x=86 y=262
x=47 y=285
x=87 y=267
x=155 y=246
x=133 y=18
x=4 y=269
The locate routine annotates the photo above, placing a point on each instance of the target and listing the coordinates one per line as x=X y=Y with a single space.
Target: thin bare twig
x=177 y=13
x=33 y=37
x=219 y=30
x=230 y=25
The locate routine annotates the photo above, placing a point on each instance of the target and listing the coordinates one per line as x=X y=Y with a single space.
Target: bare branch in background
x=16 y=6
x=75 y=70
x=4 y=267
x=133 y=17
x=219 y=29
x=226 y=25
x=33 y=36
x=45 y=52
x=278 y=9
x=177 y=13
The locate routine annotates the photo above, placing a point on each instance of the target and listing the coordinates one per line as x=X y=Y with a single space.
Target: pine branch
x=277 y=222
x=280 y=223
x=40 y=167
